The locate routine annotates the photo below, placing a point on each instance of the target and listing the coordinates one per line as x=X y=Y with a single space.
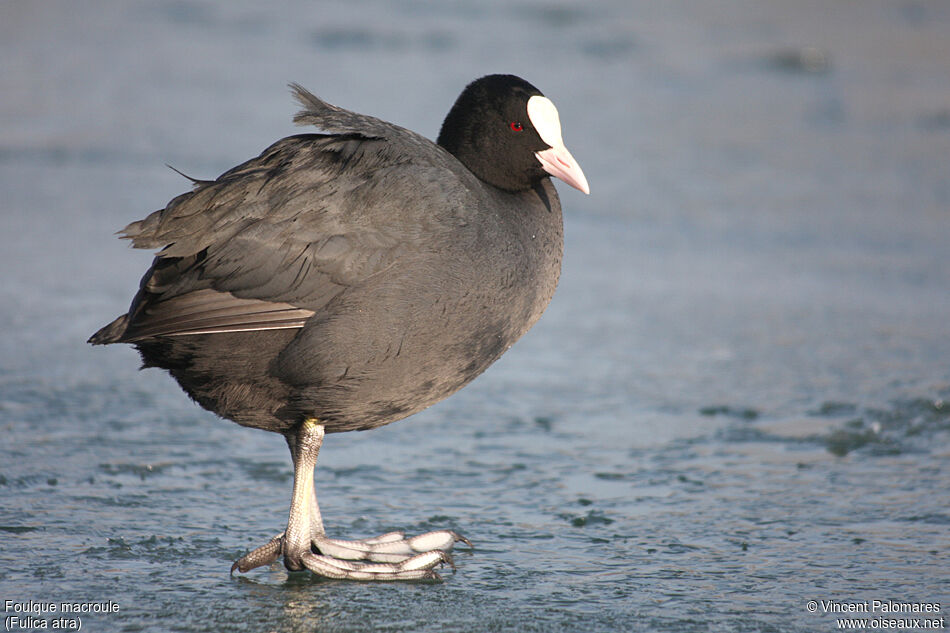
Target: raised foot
x=390 y=556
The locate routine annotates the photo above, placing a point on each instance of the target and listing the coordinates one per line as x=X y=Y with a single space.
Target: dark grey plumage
x=342 y=281
x=391 y=274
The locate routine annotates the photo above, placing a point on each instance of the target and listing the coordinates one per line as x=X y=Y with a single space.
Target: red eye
x=516 y=126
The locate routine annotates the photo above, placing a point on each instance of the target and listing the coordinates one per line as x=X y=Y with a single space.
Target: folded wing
x=270 y=242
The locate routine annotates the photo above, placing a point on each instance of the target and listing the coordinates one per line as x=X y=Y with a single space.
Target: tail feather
x=111 y=333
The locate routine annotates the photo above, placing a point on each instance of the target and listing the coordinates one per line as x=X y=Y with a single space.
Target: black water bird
x=345 y=280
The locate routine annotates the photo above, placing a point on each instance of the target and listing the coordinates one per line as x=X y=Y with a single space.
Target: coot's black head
x=508 y=134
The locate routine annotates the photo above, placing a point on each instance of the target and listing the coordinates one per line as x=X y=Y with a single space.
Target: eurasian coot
x=345 y=280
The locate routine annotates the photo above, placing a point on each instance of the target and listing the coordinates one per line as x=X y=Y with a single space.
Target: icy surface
x=734 y=405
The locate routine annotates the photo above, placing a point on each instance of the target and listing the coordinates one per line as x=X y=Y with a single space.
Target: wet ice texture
x=735 y=404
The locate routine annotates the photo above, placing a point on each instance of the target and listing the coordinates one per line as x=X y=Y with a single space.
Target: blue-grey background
x=735 y=404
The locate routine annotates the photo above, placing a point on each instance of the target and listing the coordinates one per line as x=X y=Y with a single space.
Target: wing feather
x=270 y=242
x=207 y=312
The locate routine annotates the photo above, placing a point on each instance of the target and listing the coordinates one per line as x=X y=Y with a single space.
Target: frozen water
x=735 y=404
